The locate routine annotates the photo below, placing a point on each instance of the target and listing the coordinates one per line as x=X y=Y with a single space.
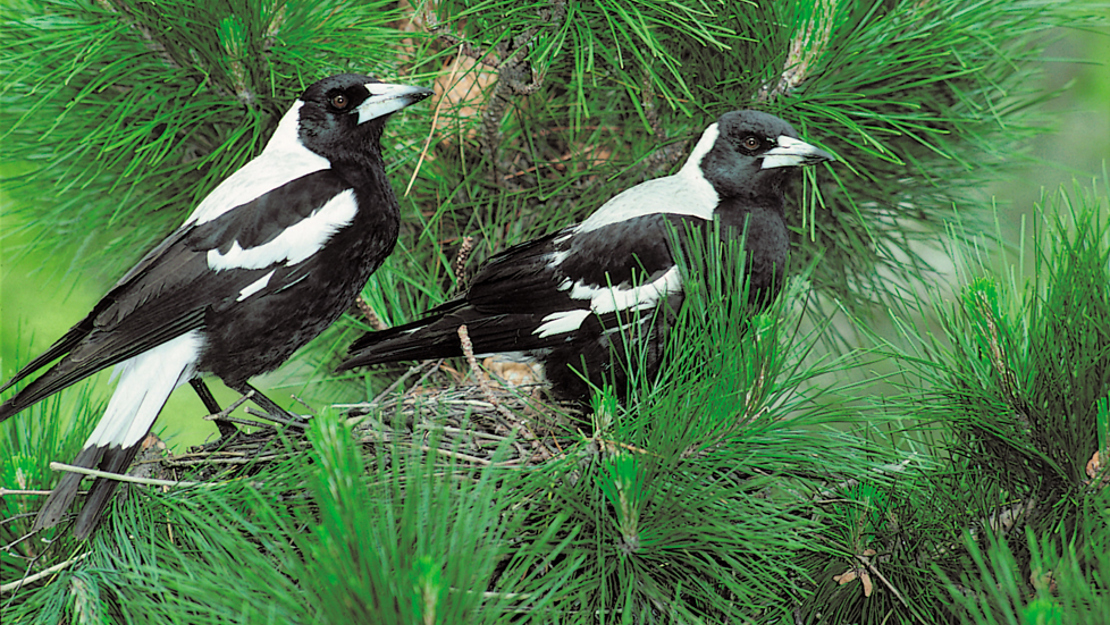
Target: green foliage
x=678 y=510
x=747 y=482
x=130 y=112
x=1063 y=579
x=1011 y=398
x=1029 y=363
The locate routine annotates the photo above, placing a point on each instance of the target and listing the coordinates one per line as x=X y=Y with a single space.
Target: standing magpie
x=265 y=263
x=569 y=299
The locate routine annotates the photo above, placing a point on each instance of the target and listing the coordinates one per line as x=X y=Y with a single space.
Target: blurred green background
x=41 y=297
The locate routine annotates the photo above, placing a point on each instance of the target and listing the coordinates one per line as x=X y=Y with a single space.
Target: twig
x=237 y=420
x=806 y=48
x=459 y=456
x=480 y=376
x=866 y=560
x=435 y=121
x=468 y=351
x=4 y=492
x=14 y=586
x=227 y=411
x=487 y=392
x=58 y=466
x=310 y=409
x=274 y=418
x=393 y=387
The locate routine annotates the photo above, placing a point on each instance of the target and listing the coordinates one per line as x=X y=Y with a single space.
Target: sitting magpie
x=569 y=299
x=266 y=262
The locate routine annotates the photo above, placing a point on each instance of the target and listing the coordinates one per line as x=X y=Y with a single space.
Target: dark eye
x=339 y=101
x=752 y=142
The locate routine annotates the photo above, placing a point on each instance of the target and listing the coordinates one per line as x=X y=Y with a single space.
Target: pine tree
x=754 y=485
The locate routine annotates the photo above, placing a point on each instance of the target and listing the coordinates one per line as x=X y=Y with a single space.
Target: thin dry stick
x=274 y=418
x=480 y=376
x=487 y=392
x=432 y=132
x=14 y=586
x=401 y=380
x=248 y=422
x=58 y=466
x=227 y=411
x=867 y=561
x=310 y=409
x=456 y=455
x=4 y=492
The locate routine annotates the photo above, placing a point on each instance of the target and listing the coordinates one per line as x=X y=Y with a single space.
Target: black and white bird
x=566 y=300
x=266 y=262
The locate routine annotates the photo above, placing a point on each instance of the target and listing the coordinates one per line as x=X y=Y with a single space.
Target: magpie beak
x=386 y=98
x=791 y=152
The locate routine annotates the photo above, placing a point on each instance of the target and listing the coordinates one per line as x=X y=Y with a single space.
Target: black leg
x=227 y=429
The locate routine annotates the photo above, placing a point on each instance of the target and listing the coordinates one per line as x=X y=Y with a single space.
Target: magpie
x=265 y=262
x=569 y=300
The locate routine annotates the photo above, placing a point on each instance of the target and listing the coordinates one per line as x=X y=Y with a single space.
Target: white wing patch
x=685 y=193
x=608 y=299
x=295 y=243
x=145 y=383
x=561 y=322
x=283 y=160
x=255 y=286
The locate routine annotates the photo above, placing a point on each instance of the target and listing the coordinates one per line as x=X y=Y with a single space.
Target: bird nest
x=472 y=420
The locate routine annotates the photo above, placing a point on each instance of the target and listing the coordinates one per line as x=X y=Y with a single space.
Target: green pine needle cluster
x=749 y=481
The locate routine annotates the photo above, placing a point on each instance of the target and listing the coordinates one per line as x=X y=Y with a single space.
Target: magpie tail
x=66 y=490
x=112 y=459
x=145 y=383
x=432 y=337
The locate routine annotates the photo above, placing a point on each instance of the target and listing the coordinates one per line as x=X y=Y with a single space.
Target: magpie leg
x=280 y=414
x=227 y=429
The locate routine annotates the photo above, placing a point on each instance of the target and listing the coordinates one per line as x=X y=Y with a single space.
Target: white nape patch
x=283 y=160
x=145 y=383
x=295 y=243
x=685 y=193
x=255 y=286
x=789 y=152
x=608 y=299
x=385 y=99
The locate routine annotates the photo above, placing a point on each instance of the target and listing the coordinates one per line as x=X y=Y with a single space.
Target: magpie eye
x=339 y=101
x=752 y=142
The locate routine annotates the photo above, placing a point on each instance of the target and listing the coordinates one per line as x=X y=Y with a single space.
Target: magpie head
x=751 y=153
x=342 y=113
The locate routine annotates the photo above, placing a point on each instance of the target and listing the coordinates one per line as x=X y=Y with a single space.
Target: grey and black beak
x=791 y=152
x=386 y=98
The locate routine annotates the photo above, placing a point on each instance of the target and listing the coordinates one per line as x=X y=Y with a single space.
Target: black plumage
x=574 y=298
x=265 y=263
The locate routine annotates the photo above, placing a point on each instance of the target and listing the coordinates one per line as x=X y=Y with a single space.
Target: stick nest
x=465 y=422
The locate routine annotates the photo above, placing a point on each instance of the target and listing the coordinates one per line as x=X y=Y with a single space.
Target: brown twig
x=806 y=48
x=432 y=129
x=30 y=579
